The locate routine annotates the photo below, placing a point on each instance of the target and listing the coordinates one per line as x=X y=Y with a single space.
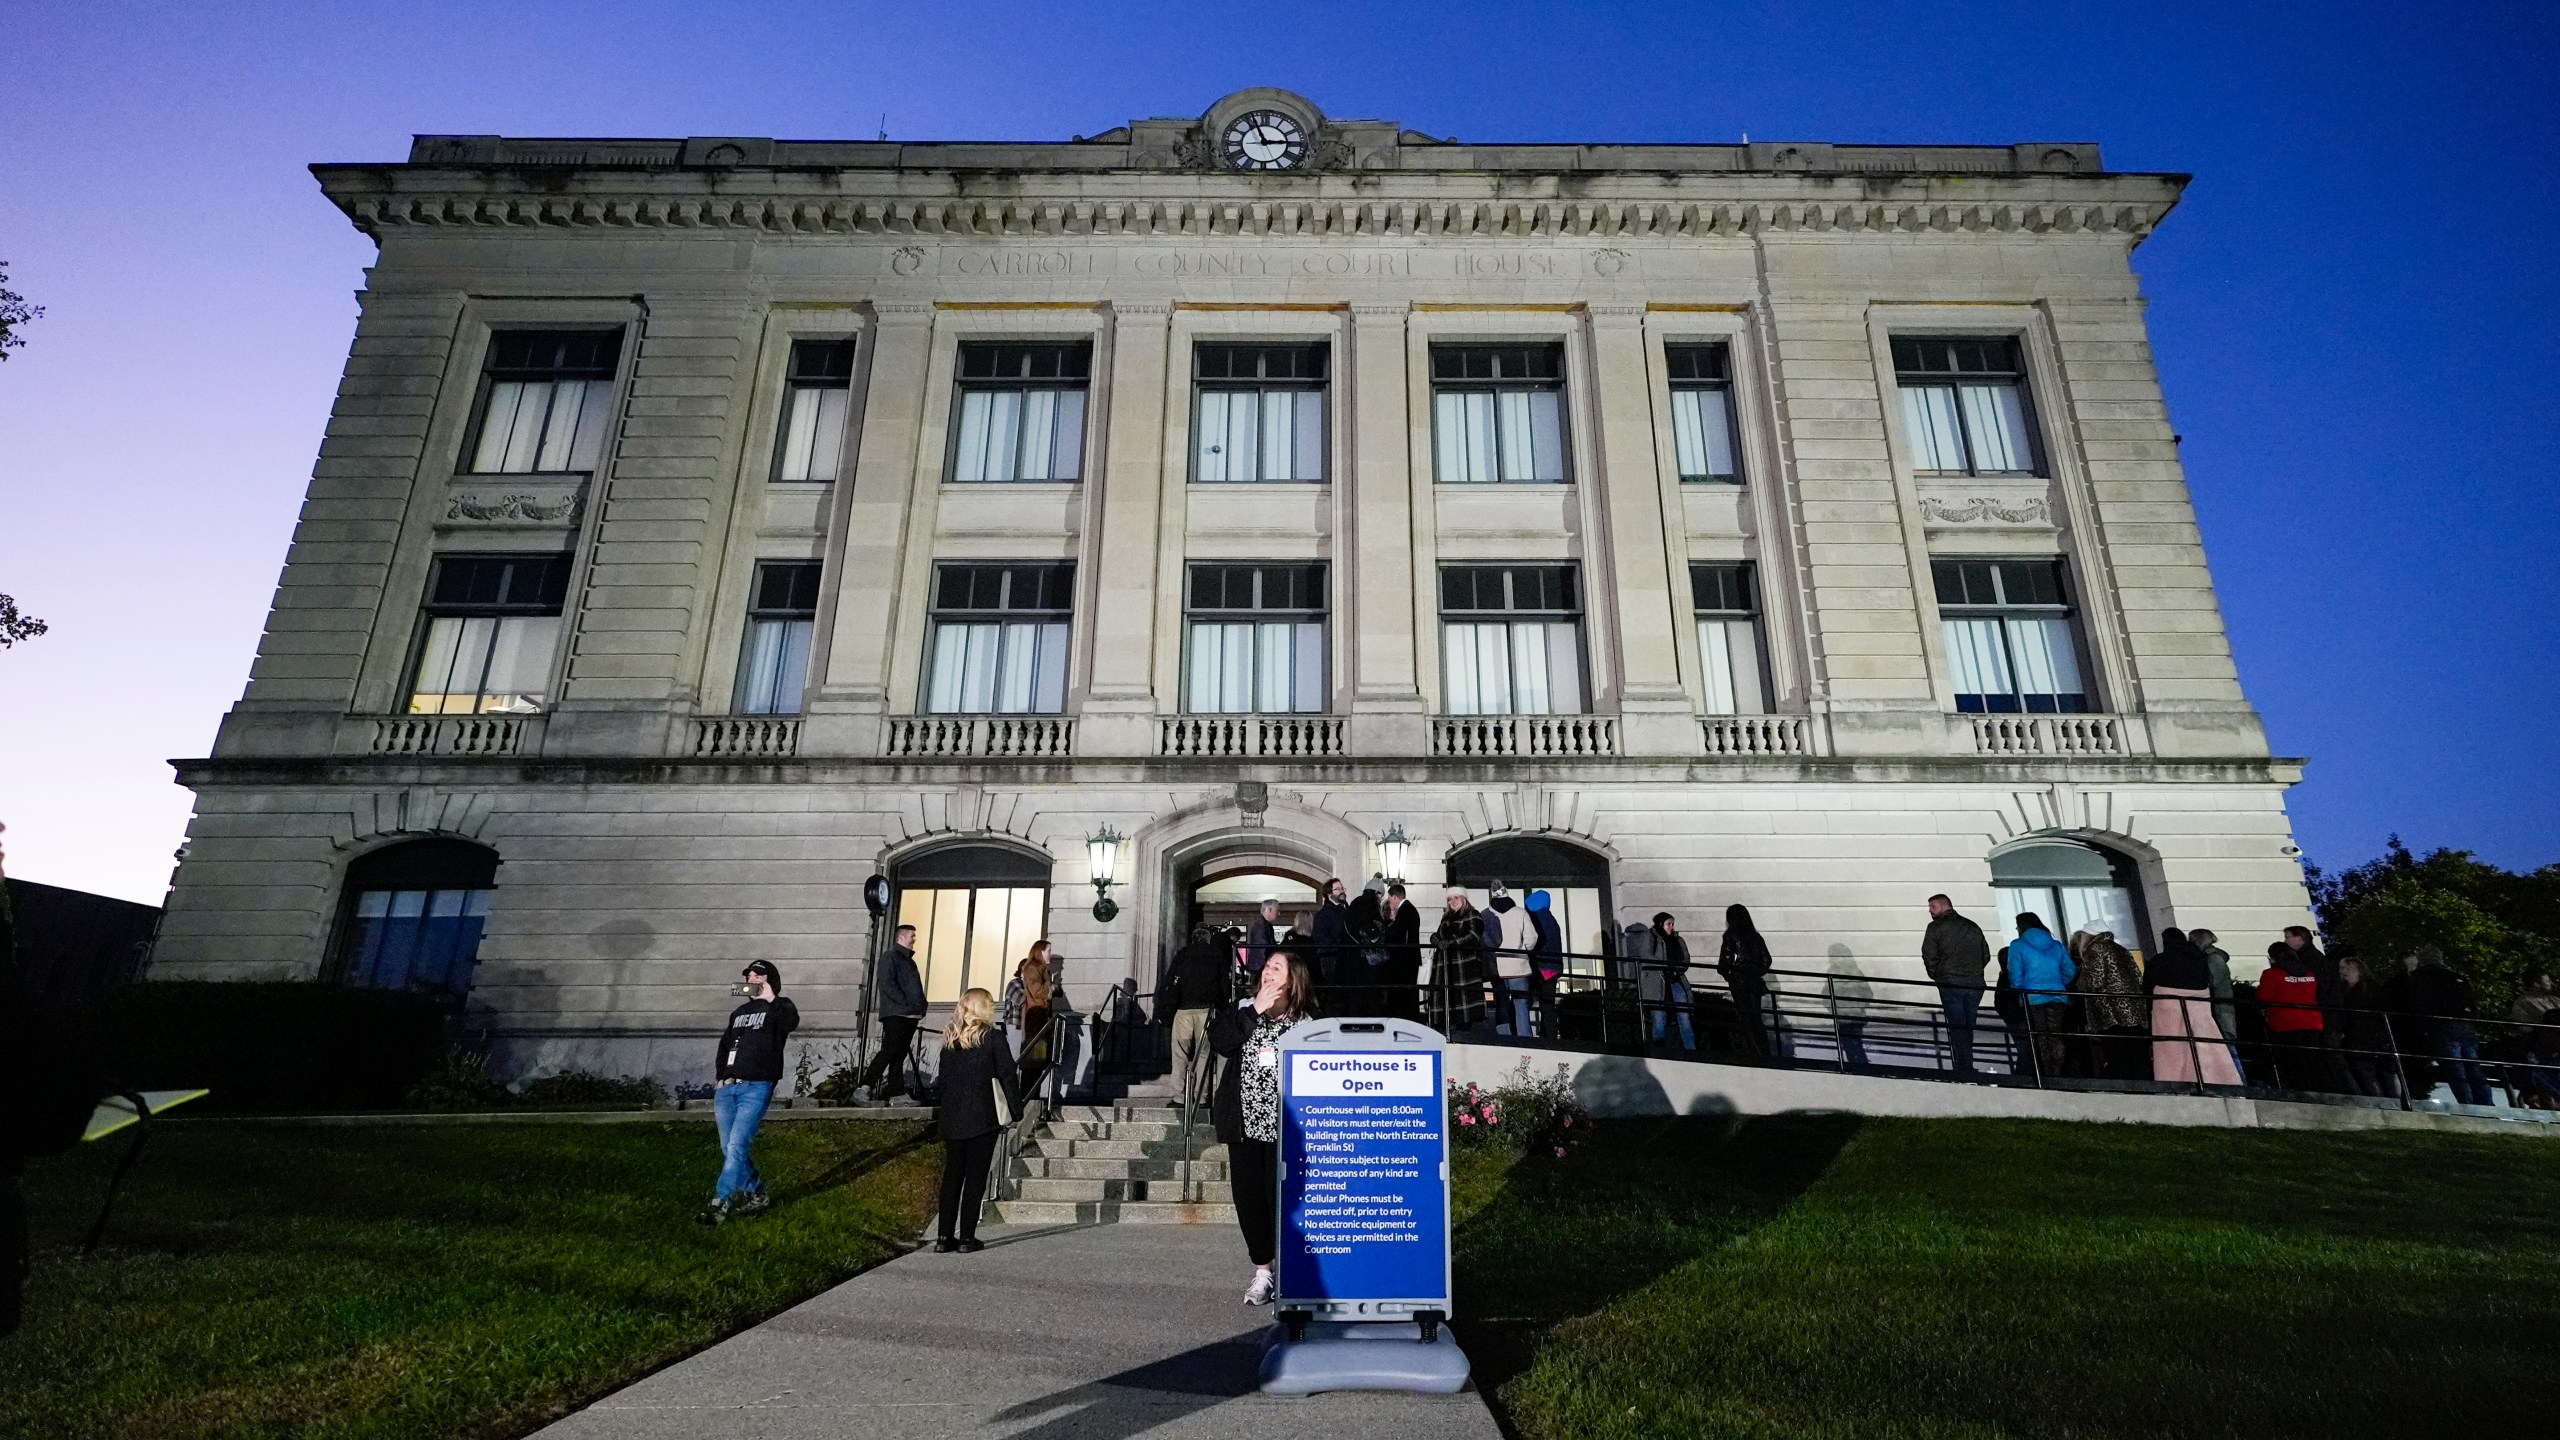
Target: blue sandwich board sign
x=1364 y=1174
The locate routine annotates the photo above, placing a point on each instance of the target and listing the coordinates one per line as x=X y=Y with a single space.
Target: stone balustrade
x=1755 y=734
x=2047 y=735
x=1034 y=737
x=1531 y=736
x=1299 y=737
x=450 y=735
x=746 y=737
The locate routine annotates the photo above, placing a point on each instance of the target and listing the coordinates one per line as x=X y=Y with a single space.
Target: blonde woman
x=976 y=1069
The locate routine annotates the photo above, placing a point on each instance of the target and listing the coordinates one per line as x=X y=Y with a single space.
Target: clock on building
x=1266 y=140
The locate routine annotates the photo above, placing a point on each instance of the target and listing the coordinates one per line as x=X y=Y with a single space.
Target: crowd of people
x=2086 y=1006
x=2082 y=1006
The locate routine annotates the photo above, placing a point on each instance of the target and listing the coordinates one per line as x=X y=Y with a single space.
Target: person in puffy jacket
x=2289 y=1003
x=1546 y=953
x=2041 y=971
x=2113 y=1013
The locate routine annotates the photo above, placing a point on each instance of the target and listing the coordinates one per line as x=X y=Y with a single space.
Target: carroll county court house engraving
x=707 y=525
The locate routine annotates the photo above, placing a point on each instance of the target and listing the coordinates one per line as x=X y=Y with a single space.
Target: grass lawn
x=467 y=1280
x=1829 y=1276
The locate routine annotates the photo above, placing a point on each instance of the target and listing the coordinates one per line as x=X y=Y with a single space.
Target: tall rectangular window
x=1254 y=640
x=492 y=630
x=773 y=669
x=1021 y=412
x=1702 y=412
x=1511 y=640
x=1964 y=405
x=1729 y=655
x=1000 y=639
x=1260 y=413
x=2010 y=636
x=1497 y=413
x=544 y=400
x=817 y=392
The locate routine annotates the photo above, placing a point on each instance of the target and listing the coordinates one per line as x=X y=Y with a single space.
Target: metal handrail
x=1618 y=978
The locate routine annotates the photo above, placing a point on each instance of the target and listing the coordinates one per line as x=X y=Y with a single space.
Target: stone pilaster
x=1656 y=715
x=1376 y=638
x=870 y=545
x=1118 y=716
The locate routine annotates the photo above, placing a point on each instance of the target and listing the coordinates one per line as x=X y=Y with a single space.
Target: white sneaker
x=1261 y=1291
x=861 y=1094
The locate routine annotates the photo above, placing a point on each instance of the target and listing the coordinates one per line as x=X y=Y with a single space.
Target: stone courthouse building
x=705 y=526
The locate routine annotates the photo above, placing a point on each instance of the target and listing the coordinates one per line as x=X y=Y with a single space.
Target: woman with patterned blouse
x=1247 y=1108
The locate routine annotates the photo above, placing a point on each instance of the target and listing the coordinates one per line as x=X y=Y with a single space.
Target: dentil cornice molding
x=414 y=201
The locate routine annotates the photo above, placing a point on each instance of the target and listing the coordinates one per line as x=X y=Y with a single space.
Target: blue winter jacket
x=1547 y=955
x=2039 y=966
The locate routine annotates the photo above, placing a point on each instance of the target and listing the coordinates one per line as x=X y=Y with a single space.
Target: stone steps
x=1112 y=1212
x=1042 y=1167
x=1121 y=1163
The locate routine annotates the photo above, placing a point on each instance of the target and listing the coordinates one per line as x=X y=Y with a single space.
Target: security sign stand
x=1364 y=1212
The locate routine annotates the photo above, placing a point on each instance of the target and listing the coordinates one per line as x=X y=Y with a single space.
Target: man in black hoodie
x=749 y=1066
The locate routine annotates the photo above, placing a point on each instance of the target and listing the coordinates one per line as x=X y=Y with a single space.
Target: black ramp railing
x=2044 y=1039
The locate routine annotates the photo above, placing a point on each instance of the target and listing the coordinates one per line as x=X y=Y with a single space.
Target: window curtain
x=988 y=668
x=1980 y=665
x=474 y=664
x=813 y=433
x=1020 y=435
x=1702 y=434
x=1929 y=419
x=532 y=426
x=1528 y=667
x=777 y=666
x=417 y=939
x=1996 y=422
x=1248 y=667
x=2045 y=664
x=1729 y=662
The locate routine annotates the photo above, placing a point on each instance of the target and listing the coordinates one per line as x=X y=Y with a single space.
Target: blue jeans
x=2460 y=1056
x=736 y=1110
x=1515 y=1003
x=1678 y=1006
x=1962 y=1003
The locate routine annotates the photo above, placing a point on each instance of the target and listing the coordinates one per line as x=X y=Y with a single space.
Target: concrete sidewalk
x=1095 y=1332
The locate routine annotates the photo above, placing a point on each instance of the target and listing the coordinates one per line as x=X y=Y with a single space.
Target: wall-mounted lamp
x=1103 y=848
x=1393 y=850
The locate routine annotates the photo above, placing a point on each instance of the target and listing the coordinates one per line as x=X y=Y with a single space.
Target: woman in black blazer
x=976 y=1065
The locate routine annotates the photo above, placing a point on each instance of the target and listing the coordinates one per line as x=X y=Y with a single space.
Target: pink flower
x=1559 y=1152
x=1466 y=1119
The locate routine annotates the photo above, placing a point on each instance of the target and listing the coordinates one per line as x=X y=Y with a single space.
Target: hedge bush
x=270 y=1047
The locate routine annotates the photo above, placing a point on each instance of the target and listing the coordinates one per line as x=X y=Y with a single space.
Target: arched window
x=414 y=915
x=1576 y=881
x=976 y=909
x=2068 y=885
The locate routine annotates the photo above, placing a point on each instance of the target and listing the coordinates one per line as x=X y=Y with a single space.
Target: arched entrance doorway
x=2068 y=884
x=412 y=914
x=976 y=909
x=1221 y=879
x=1234 y=900
x=1576 y=881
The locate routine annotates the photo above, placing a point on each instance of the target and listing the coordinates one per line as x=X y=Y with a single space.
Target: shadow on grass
x=1543 y=1242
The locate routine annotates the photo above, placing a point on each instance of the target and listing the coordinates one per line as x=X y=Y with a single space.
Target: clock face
x=1265 y=140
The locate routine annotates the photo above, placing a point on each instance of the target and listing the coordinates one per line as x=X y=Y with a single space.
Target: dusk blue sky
x=2354 y=308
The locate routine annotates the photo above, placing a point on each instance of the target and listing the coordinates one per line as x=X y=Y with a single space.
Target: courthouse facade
x=706 y=526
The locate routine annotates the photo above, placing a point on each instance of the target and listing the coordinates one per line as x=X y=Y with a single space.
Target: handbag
x=1004 y=1106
